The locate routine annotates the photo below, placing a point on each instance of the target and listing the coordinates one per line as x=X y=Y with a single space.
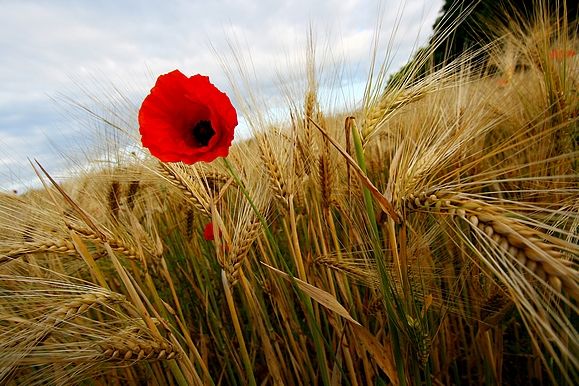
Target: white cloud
x=64 y=46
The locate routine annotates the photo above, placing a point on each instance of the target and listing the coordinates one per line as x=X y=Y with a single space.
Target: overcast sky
x=106 y=54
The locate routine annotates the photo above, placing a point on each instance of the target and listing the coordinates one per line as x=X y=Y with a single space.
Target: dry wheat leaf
x=319 y=295
x=385 y=205
x=382 y=353
x=83 y=251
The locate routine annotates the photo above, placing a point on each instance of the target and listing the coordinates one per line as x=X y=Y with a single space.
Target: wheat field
x=430 y=236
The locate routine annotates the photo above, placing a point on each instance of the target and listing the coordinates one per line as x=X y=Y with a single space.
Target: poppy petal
x=170 y=115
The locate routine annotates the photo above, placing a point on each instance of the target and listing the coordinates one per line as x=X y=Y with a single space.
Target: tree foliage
x=475 y=30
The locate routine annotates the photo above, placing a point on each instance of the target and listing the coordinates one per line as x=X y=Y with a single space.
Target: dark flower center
x=202 y=132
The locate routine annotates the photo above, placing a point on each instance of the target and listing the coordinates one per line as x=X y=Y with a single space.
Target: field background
x=429 y=236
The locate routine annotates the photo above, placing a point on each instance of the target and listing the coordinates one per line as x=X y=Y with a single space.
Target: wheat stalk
x=132 y=349
x=241 y=247
x=325 y=168
x=82 y=304
x=114 y=199
x=62 y=246
x=116 y=244
x=530 y=247
x=364 y=274
x=132 y=193
x=175 y=177
x=28 y=335
x=277 y=182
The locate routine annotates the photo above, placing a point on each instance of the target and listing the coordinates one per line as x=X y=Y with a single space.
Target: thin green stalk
x=367 y=196
x=384 y=277
x=178 y=374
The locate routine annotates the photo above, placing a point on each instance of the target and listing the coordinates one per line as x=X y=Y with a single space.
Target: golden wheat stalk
x=116 y=244
x=132 y=349
x=277 y=181
x=241 y=247
x=58 y=246
x=178 y=178
x=541 y=255
x=26 y=334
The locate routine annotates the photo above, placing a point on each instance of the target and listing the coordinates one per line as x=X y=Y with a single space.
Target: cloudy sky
x=106 y=54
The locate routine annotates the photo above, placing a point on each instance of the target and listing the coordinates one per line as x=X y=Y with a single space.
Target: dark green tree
x=471 y=24
x=474 y=30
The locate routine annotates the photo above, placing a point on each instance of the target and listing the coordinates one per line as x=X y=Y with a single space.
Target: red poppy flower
x=187 y=119
x=208 y=232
